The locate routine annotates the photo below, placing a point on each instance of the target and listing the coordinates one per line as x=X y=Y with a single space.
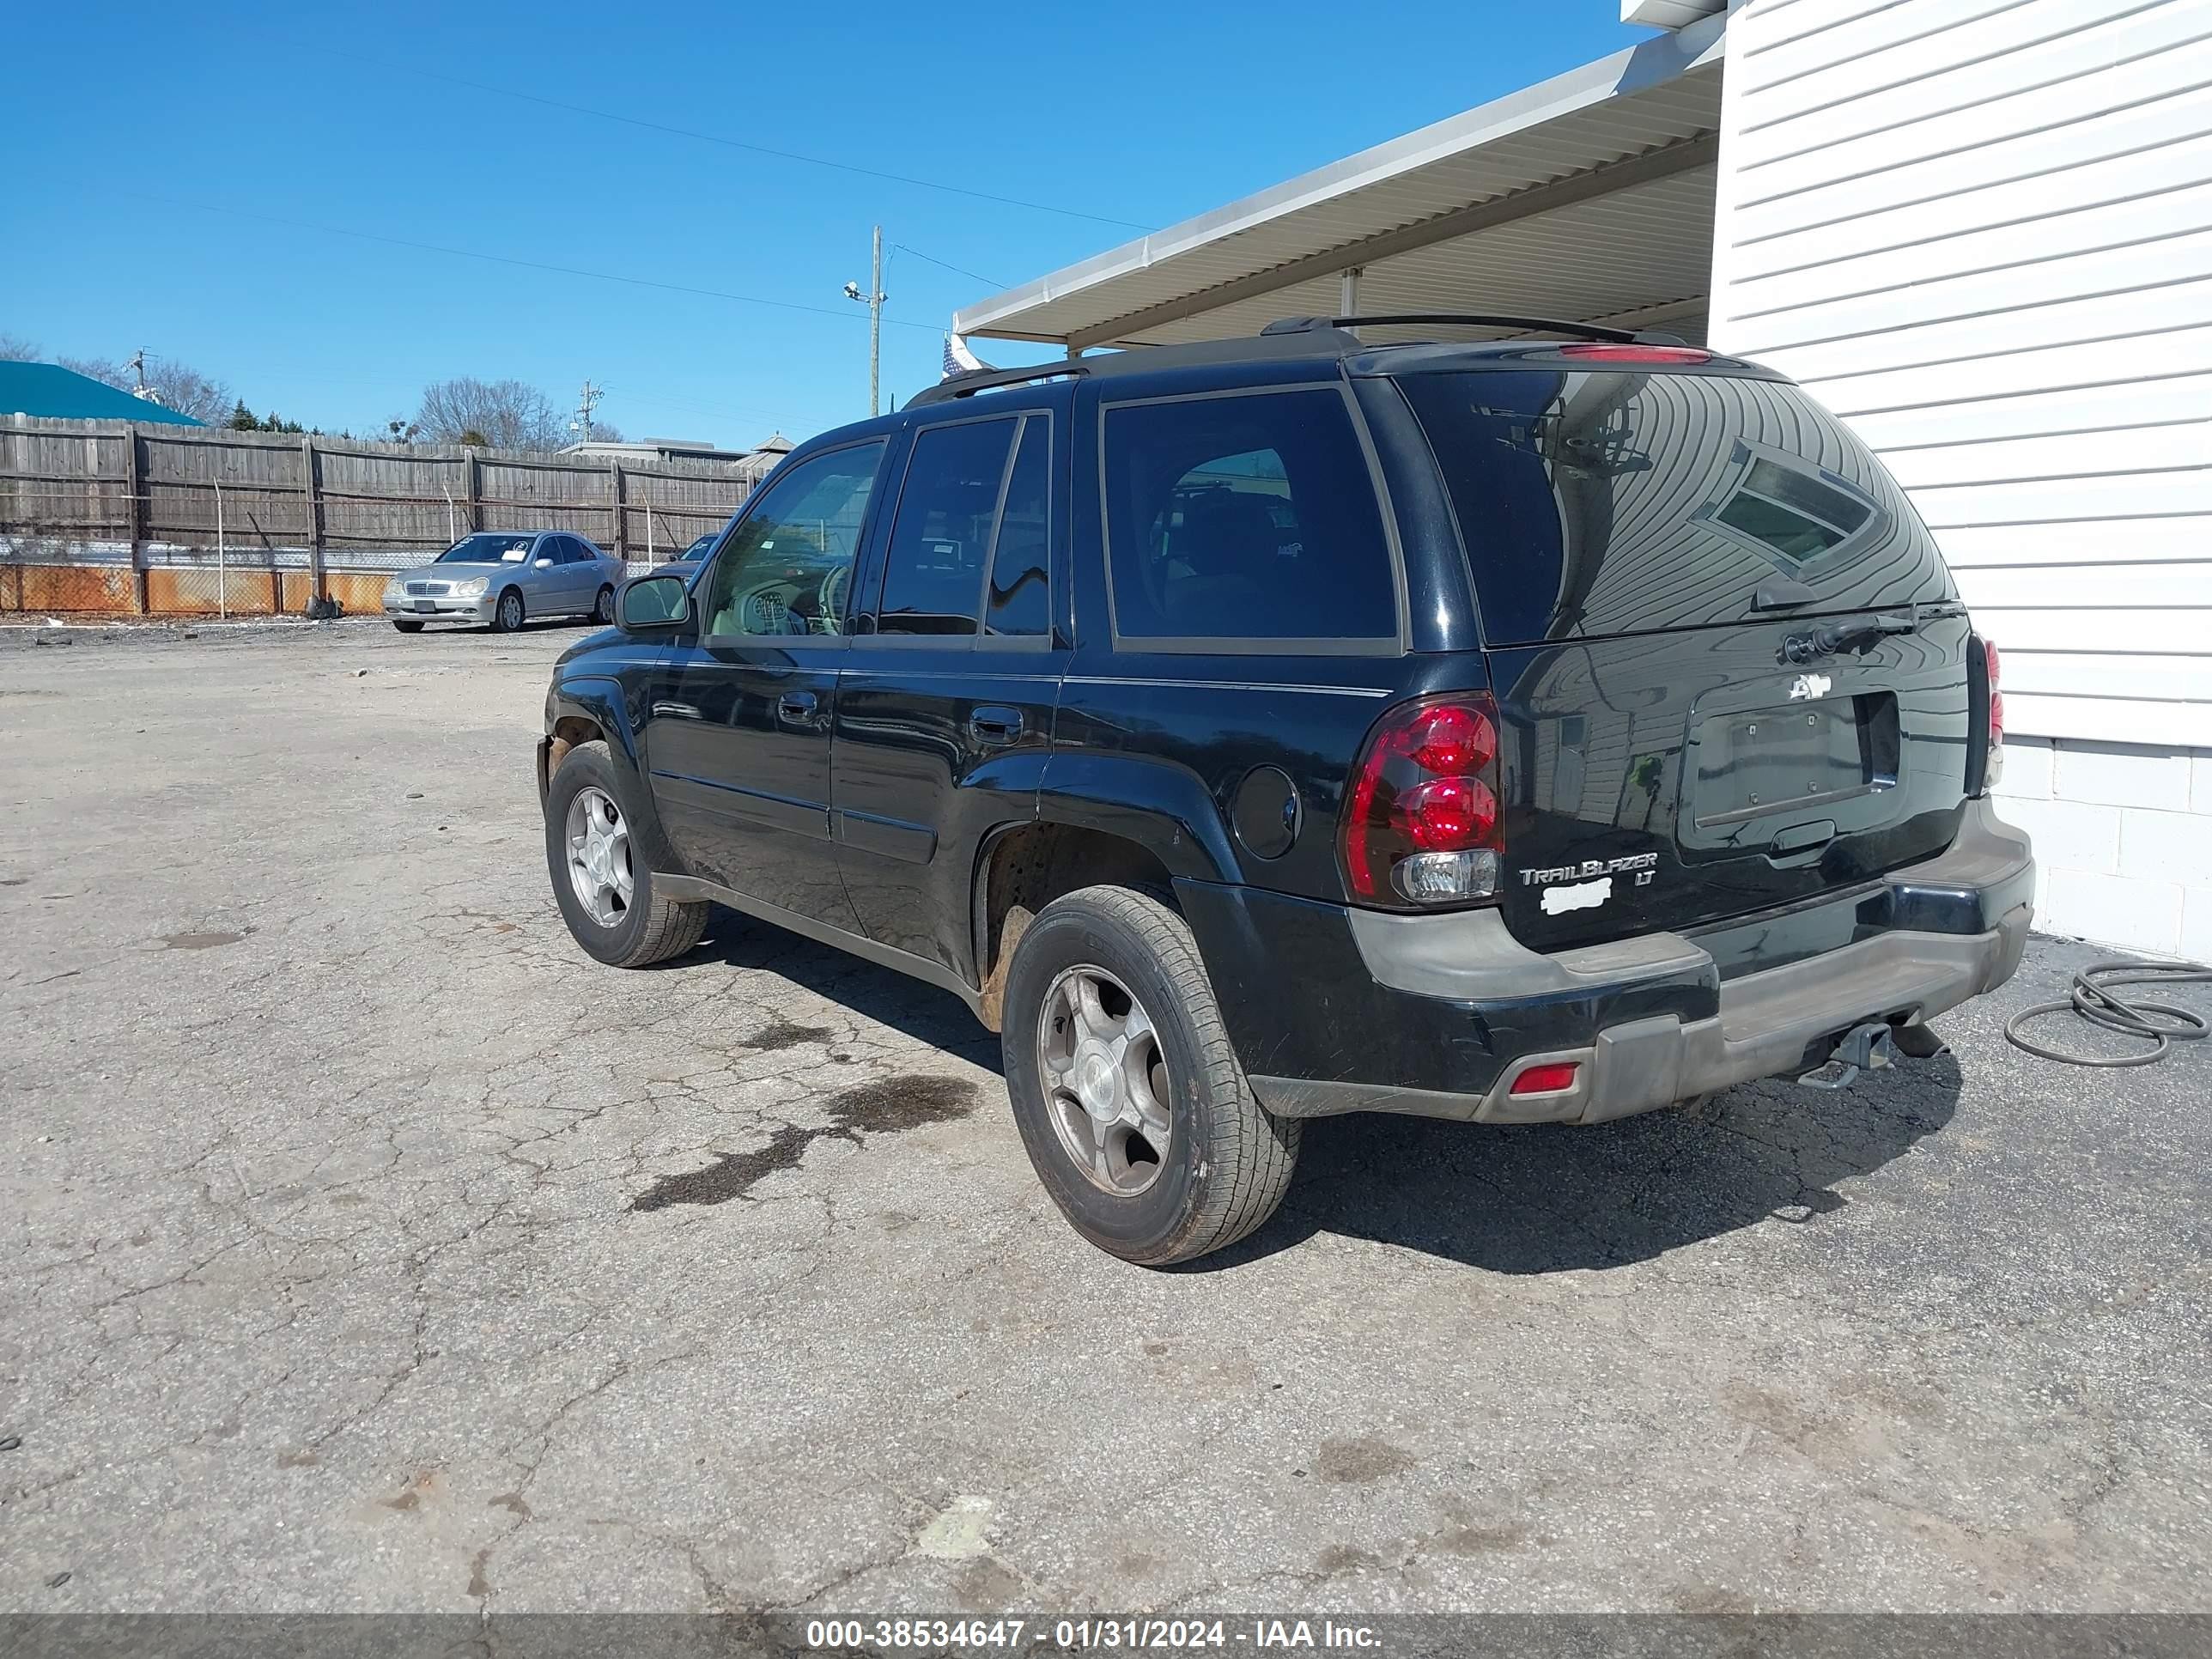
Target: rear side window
x=941 y=540
x=1597 y=504
x=970 y=549
x=1020 y=585
x=1250 y=517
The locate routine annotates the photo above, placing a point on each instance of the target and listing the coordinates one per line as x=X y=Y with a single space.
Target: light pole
x=873 y=299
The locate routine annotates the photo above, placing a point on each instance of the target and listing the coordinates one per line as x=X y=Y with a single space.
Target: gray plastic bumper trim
x=1767 y=1023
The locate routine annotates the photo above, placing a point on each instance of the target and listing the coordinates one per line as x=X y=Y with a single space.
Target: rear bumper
x=1439 y=1015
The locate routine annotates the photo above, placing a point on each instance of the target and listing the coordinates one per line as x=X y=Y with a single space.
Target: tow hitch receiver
x=1869 y=1047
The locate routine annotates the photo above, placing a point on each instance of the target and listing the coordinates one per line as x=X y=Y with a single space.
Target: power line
x=526 y=264
x=988 y=282
x=757 y=150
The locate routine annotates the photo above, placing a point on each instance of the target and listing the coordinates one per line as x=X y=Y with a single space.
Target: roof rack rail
x=1549 y=325
x=970 y=381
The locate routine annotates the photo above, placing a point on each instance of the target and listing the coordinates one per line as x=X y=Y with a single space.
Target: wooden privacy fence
x=113 y=516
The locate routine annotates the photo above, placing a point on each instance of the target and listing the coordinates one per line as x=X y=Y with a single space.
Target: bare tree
x=499 y=414
x=15 y=348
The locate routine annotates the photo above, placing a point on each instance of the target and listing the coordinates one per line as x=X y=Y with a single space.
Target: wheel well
x=567 y=731
x=1027 y=869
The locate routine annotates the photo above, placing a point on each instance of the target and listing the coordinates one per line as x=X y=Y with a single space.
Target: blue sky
x=298 y=124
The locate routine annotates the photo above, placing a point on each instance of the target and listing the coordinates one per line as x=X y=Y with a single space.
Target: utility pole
x=586 y=401
x=873 y=299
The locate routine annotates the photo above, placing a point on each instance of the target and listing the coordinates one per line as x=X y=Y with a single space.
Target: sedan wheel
x=508 y=616
x=604 y=612
x=1106 y=1080
x=599 y=856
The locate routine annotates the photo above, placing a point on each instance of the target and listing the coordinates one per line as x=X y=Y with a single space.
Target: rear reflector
x=1546 y=1079
x=1636 y=354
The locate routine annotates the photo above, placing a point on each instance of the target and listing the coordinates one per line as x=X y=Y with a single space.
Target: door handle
x=991 y=724
x=795 y=708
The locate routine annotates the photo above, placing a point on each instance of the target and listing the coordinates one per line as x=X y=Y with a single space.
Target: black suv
x=1268 y=728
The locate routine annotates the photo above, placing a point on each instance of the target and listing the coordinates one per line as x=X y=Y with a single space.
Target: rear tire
x=603 y=609
x=407 y=627
x=1227 y=1161
x=645 y=928
x=507 y=616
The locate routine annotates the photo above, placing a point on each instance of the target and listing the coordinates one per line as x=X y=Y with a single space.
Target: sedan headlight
x=471 y=590
x=395 y=589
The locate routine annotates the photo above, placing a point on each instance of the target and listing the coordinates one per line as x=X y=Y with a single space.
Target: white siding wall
x=1981 y=231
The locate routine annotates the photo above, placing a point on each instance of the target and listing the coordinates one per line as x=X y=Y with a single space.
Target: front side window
x=786 y=569
x=1251 y=517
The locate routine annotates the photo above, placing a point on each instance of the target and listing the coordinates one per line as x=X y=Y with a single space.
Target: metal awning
x=1590 y=196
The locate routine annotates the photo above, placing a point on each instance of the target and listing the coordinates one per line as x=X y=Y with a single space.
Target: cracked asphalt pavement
x=368 y=1247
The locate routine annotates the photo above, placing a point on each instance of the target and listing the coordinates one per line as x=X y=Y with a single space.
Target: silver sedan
x=505 y=577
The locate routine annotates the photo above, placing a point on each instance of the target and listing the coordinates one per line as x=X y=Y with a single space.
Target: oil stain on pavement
x=198 y=941
x=885 y=1107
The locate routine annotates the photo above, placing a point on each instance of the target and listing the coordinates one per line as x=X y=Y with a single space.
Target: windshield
x=1597 y=504
x=698 y=550
x=488 y=547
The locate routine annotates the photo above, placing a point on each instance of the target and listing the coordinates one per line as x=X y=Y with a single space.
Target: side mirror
x=545 y=564
x=652 y=601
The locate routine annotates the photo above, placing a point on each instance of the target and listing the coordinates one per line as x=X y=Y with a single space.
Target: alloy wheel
x=599 y=856
x=1105 y=1080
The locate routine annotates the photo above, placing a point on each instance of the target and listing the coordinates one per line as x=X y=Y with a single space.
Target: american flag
x=959 y=359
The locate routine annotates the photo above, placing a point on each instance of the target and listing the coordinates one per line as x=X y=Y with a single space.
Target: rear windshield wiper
x=1829 y=638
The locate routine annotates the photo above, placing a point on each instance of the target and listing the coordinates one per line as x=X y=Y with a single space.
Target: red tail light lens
x=1993 y=769
x=1636 y=354
x=1421 y=821
x=1446 y=815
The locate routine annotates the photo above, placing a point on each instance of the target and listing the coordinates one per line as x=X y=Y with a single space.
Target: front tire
x=1131 y=1106
x=507 y=616
x=603 y=609
x=407 y=627
x=602 y=876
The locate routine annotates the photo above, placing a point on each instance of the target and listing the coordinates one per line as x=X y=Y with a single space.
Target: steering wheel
x=765 y=612
x=829 y=598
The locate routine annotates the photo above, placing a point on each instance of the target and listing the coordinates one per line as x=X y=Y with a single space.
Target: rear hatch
x=1660 y=555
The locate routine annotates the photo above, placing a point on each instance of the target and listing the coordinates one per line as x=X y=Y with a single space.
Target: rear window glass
x=1245 y=518
x=1595 y=504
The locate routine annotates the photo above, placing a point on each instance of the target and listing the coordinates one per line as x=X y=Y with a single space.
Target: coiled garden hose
x=2092 y=998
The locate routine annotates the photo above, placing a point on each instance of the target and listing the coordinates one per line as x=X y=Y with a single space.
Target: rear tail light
x=1993 y=759
x=1636 y=354
x=1421 y=822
